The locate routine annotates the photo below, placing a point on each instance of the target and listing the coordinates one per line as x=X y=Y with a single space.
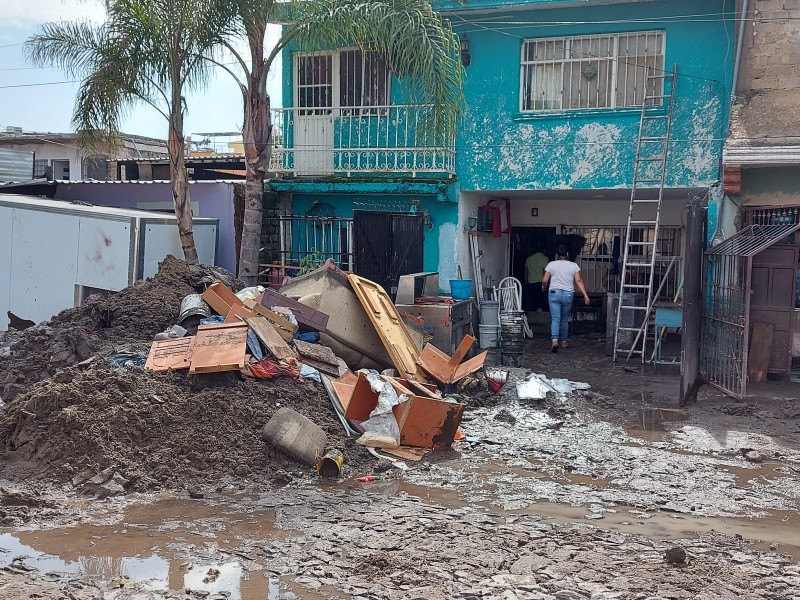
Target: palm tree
x=146 y=52
x=411 y=38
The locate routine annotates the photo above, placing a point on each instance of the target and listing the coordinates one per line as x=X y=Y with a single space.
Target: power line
x=21 y=85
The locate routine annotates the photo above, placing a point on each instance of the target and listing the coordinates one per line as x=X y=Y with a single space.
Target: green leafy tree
x=149 y=52
x=414 y=41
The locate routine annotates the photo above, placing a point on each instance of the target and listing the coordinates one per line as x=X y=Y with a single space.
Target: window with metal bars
x=584 y=72
x=356 y=81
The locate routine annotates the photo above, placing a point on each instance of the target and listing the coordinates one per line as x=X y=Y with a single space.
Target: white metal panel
x=161 y=239
x=104 y=253
x=5 y=264
x=45 y=249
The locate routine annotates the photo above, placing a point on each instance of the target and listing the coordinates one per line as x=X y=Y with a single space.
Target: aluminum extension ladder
x=477 y=264
x=644 y=216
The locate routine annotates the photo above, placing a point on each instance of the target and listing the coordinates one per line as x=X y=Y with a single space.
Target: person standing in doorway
x=534 y=275
x=562 y=275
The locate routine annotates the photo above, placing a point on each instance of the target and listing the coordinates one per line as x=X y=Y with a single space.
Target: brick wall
x=768 y=111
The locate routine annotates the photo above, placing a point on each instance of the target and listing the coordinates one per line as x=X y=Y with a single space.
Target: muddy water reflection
x=648 y=423
x=154 y=545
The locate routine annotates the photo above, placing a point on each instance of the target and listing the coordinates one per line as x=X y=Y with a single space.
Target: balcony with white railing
x=391 y=140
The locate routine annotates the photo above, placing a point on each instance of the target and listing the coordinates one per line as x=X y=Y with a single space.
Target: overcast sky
x=48 y=108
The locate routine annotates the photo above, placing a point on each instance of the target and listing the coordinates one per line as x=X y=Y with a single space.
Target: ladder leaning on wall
x=644 y=216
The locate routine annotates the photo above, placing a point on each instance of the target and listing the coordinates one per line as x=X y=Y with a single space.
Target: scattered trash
x=193 y=306
x=536 y=386
x=307 y=317
x=270 y=369
x=368 y=478
x=496 y=379
x=394 y=462
x=308 y=372
x=220 y=347
x=330 y=465
x=176 y=331
x=381 y=429
x=753 y=456
x=122 y=360
x=211 y=576
x=219 y=297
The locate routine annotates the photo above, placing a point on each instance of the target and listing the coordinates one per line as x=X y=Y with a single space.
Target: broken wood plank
x=758 y=357
x=238 y=313
x=267 y=335
x=219 y=297
x=170 y=354
x=332 y=370
x=285 y=328
x=220 y=347
x=307 y=317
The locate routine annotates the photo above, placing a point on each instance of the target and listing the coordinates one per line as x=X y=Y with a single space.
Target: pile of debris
x=82 y=408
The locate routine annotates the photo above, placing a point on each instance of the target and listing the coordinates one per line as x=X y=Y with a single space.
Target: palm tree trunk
x=257 y=134
x=179 y=182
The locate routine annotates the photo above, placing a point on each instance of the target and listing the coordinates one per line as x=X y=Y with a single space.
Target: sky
x=48 y=108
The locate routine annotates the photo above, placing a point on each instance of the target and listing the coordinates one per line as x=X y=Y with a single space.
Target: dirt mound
x=162 y=429
x=126 y=319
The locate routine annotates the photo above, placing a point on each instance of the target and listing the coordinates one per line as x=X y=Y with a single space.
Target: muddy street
x=579 y=495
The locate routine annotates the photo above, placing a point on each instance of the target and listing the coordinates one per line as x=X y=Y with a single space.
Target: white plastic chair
x=509 y=296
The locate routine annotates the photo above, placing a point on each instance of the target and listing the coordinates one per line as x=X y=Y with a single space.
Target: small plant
x=70 y=413
x=311 y=262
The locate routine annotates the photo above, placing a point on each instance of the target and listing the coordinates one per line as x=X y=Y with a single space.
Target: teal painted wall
x=439 y=252
x=499 y=148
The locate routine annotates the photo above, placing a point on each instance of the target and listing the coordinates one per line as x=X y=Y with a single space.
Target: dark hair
x=561 y=251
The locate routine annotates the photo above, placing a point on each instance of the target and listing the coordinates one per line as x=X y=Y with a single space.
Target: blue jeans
x=560 y=308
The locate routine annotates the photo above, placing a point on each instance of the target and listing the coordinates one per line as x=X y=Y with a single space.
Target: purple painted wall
x=209 y=199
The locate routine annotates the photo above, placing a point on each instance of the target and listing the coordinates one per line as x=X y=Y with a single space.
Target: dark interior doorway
x=524 y=242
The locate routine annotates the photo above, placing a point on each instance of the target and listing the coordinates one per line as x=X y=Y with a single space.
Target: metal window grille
x=600 y=270
x=583 y=72
x=348 y=78
x=40 y=168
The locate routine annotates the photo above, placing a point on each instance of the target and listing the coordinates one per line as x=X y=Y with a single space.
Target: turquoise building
x=553 y=92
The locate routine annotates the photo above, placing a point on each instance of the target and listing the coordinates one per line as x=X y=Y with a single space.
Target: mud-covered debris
x=753 y=456
x=211 y=576
x=505 y=416
x=675 y=555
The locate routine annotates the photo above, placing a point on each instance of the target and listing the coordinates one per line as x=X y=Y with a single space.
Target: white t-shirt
x=562 y=274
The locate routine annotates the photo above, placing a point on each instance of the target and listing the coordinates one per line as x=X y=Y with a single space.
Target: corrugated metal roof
x=753 y=239
x=15 y=165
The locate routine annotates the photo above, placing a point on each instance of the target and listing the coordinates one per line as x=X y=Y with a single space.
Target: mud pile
x=162 y=429
x=125 y=320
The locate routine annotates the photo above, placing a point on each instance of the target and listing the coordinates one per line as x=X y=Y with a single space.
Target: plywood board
x=760 y=351
x=170 y=354
x=285 y=328
x=219 y=297
x=333 y=370
x=220 y=347
x=266 y=333
x=390 y=327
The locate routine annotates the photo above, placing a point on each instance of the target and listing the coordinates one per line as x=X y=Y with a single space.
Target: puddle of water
x=648 y=423
x=143 y=548
x=767 y=533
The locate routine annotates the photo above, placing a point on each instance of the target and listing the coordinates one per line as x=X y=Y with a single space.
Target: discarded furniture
x=425 y=420
x=307 y=317
x=285 y=328
x=170 y=354
x=509 y=295
x=351 y=334
x=415 y=285
x=219 y=347
x=389 y=325
x=269 y=337
x=449 y=369
x=219 y=297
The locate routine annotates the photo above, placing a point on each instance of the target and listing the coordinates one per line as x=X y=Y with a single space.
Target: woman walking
x=562 y=275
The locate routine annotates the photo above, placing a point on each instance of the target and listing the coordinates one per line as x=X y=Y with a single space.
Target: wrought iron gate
x=387 y=245
x=726 y=316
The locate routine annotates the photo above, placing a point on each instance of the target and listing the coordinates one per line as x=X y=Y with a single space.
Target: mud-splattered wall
x=501 y=148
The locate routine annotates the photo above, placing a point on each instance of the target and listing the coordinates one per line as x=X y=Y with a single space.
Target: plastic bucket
x=489 y=335
x=489 y=313
x=460 y=289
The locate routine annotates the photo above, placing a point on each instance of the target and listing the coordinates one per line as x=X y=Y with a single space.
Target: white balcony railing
x=347 y=141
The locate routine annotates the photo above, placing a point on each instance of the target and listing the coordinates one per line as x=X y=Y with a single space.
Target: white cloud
x=16 y=14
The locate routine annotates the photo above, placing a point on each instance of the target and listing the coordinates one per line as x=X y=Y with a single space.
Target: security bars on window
x=584 y=72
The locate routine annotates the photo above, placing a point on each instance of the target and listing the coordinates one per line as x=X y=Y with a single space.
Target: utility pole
x=692 y=302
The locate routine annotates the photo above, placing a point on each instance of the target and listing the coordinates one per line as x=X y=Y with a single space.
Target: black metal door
x=387 y=245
